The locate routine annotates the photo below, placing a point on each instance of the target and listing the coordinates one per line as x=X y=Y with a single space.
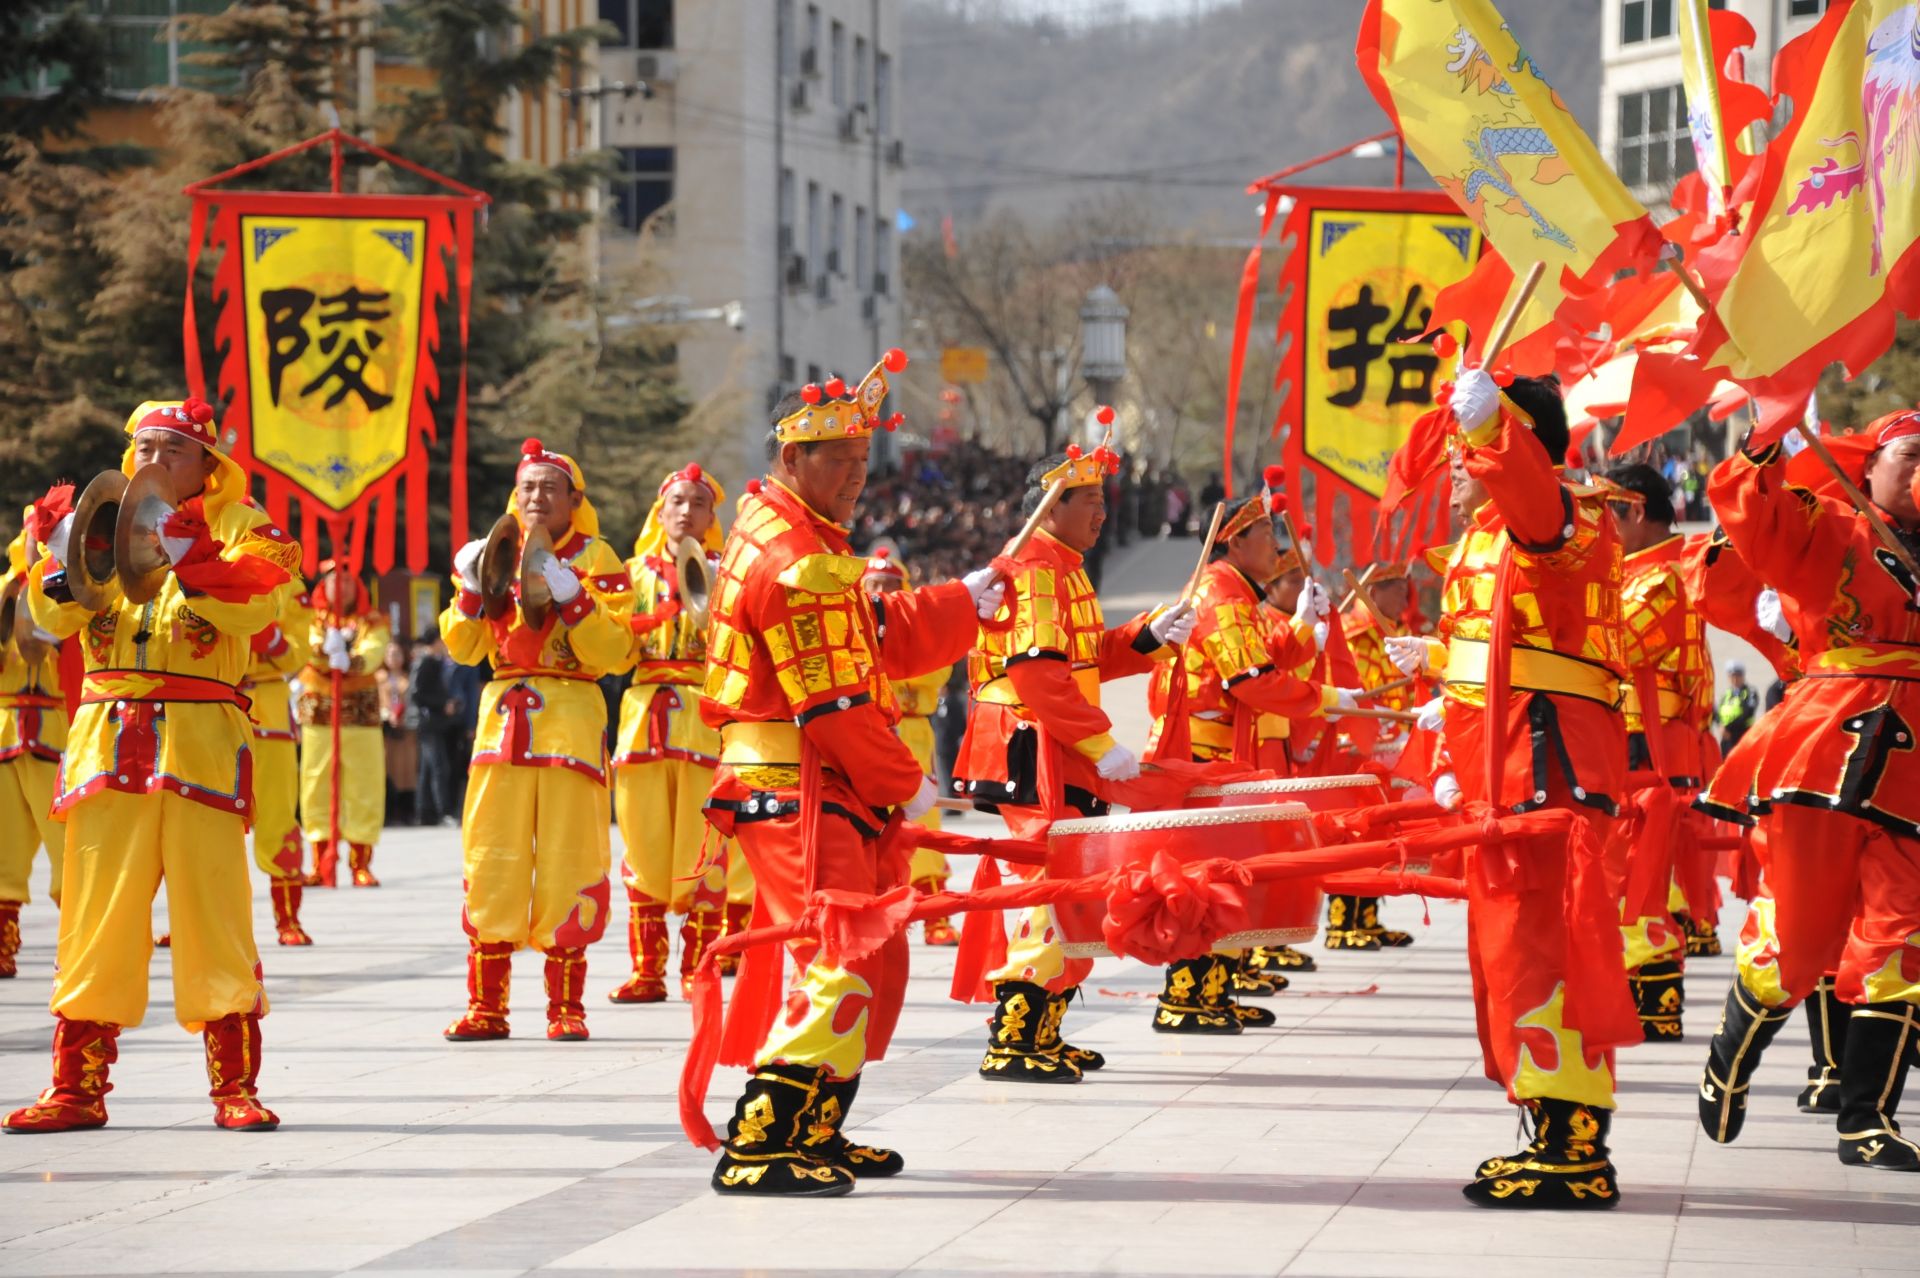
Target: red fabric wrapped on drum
x=1088 y=846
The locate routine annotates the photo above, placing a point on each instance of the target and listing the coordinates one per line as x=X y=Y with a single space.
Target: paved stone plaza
x=1332 y=1145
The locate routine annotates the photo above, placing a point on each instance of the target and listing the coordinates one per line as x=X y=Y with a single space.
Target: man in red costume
x=1038 y=747
x=1834 y=768
x=1530 y=649
x=1666 y=656
x=534 y=833
x=1235 y=695
x=812 y=776
x=157 y=779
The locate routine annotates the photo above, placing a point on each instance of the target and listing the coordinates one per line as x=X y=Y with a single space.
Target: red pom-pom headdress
x=832 y=412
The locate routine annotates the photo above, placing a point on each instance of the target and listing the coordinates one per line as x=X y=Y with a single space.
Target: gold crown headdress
x=1084 y=469
x=830 y=412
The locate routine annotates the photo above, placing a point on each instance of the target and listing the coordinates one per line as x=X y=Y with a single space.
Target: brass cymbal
x=89 y=550
x=137 y=554
x=499 y=562
x=536 y=597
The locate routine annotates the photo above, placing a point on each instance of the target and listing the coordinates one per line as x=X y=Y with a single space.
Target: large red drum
x=1084 y=846
x=1319 y=794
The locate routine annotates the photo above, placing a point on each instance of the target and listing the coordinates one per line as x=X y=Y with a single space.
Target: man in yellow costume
x=349 y=638
x=918 y=700
x=33 y=733
x=278 y=652
x=535 y=826
x=157 y=779
x=664 y=756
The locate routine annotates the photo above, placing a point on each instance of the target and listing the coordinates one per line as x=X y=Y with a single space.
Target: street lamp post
x=1103 y=342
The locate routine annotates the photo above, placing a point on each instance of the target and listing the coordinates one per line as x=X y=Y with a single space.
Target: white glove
x=1476 y=397
x=1347 y=698
x=1793 y=443
x=45 y=636
x=57 y=543
x=1767 y=611
x=1408 y=653
x=467 y=563
x=1312 y=605
x=1446 y=791
x=1432 y=716
x=921 y=803
x=561 y=580
x=989 y=591
x=338 y=647
x=175 y=548
x=1118 y=764
x=1175 y=625
x=1319 y=636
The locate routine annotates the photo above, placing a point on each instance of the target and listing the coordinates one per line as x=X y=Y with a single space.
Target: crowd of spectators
x=429 y=708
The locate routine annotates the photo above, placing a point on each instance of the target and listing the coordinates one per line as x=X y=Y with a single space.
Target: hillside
x=1014 y=113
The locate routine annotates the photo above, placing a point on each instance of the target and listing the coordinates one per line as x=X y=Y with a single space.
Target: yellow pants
x=536 y=854
x=363 y=783
x=276 y=796
x=658 y=807
x=27 y=825
x=118 y=847
x=1652 y=939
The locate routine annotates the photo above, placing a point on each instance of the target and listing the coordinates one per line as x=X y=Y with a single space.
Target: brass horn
x=89 y=556
x=536 y=597
x=499 y=563
x=137 y=554
x=695 y=581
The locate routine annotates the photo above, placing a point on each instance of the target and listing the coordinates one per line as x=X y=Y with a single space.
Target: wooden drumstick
x=1353 y=590
x=1354 y=584
x=1206 y=551
x=1368 y=712
x=1048 y=500
x=1385 y=688
x=1504 y=329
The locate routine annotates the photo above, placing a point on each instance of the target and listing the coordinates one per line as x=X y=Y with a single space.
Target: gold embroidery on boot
x=1336 y=912
x=1508 y=1188
x=1047 y=1037
x=1215 y=985
x=743 y=1175
x=1013 y=1019
x=822 y=1129
x=755 y=1120
x=1598 y=1187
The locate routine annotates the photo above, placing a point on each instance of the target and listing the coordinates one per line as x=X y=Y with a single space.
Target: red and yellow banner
x=1471 y=104
x=327 y=330
x=1827 y=255
x=1359 y=289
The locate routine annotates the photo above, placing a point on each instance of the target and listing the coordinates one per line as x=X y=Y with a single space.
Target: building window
x=862 y=254
x=882 y=255
x=814 y=228
x=787 y=245
x=642 y=24
x=643 y=186
x=1806 y=8
x=883 y=93
x=837 y=65
x=789 y=60
x=813 y=374
x=860 y=97
x=143 y=50
x=810 y=55
x=1655 y=147
x=837 y=236
x=1645 y=20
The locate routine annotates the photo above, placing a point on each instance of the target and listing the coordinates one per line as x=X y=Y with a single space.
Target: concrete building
x=1643 y=112
x=767 y=156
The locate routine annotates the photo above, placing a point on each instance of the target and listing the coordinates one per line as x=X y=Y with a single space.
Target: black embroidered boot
x=1880 y=1046
x=1049 y=1039
x=1827 y=1028
x=1014 y=1054
x=825 y=1139
x=1660 y=998
x=1245 y=981
x=1746 y=1027
x=1369 y=923
x=1186 y=1007
x=1274 y=960
x=1343 y=925
x=1566 y=1168
x=1216 y=992
x=763 y=1155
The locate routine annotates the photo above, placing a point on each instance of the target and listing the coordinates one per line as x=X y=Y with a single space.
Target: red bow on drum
x=1166 y=911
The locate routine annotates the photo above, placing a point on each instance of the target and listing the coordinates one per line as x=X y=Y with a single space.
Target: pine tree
x=54 y=37
x=1889 y=383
